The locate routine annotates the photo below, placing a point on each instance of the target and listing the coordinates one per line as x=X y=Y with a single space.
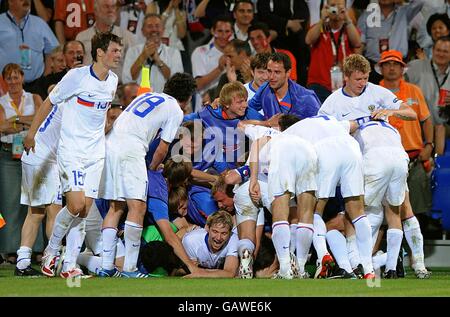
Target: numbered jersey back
x=377 y=134
x=148 y=113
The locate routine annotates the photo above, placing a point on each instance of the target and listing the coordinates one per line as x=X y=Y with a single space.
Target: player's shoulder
x=112 y=76
x=374 y=88
x=195 y=236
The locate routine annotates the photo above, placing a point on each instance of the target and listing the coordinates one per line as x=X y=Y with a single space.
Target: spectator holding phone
x=73 y=52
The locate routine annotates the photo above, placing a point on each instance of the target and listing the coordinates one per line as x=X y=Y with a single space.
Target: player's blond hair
x=220 y=217
x=354 y=63
x=230 y=90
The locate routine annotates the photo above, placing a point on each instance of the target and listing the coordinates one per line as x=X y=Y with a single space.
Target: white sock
x=132 y=235
x=319 y=237
x=281 y=237
x=353 y=253
x=414 y=237
x=379 y=261
x=91 y=262
x=338 y=247
x=74 y=242
x=245 y=244
x=364 y=242
x=376 y=217
x=305 y=232
x=292 y=244
x=394 y=243
x=62 y=224
x=109 y=237
x=23 y=257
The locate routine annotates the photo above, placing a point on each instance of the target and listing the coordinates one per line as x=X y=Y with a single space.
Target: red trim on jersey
x=85 y=102
x=285 y=104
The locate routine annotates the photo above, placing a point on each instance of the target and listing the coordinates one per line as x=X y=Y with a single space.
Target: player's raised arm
x=41 y=114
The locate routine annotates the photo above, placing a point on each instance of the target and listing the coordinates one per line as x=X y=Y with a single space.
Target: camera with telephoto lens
x=333 y=10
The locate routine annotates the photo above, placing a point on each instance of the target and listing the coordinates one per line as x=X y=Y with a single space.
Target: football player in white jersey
x=385 y=175
x=124 y=181
x=291 y=166
x=214 y=247
x=86 y=93
x=362 y=101
x=248 y=214
x=40 y=189
x=359 y=98
x=339 y=162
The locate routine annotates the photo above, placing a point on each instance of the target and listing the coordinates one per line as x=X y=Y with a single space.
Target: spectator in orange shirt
x=392 y=68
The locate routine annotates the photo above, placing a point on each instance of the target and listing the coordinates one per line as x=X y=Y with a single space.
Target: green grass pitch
x=438 y=285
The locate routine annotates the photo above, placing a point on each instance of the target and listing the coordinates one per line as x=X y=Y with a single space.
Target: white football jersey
x=318 y=128
x=255 y=132
x=86 y=100
x=345 y=107
x=195 y=244
x=375 y=134
x=250 y=91
x=140 y=122
x=46 y=140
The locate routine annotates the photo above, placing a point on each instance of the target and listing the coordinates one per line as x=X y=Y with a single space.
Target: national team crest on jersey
x=371 y=108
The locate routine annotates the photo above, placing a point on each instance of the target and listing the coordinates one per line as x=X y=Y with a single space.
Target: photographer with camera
x=73 y=52
x=332 y=39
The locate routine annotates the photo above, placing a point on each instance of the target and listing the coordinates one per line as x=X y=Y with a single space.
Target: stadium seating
x=441 y=191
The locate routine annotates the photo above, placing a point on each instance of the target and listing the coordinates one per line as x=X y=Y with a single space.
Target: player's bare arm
x=404 y=113
x=254 y=189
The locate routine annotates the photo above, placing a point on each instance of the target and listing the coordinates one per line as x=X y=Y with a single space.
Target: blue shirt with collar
x=33 y=32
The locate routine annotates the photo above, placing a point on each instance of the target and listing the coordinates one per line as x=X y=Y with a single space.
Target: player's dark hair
x=177 y=170
x=176 y=195
x=221 y=186
x=286 y=120
x=181 y=86
x=279 y=57
x=259 y=61
x=101 y=41
x=157 y=254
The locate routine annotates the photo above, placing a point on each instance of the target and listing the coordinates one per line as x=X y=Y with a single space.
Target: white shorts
x=78 y=174
x=124 y=177
x=40 y=185
x=339 y=162
x=93 y=231
x=385 y=176
x=244 y=206
x=292 y=167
